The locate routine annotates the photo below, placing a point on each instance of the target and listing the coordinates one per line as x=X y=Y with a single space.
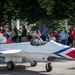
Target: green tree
x=28 y=10
x=37 y=10
x=2 y=11
x=59 y=9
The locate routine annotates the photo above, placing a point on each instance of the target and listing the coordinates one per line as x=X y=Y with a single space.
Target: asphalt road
x=62 y=67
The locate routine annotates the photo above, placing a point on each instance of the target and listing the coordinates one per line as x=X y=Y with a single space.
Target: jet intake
x=51 y=58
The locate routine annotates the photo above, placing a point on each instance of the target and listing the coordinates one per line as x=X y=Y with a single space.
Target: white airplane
x=17 y=52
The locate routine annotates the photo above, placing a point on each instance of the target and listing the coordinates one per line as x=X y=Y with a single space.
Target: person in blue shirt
x=63 y=36
x=45 y=33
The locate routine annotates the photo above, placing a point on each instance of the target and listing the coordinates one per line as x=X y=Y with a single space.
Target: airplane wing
x=16 y=55
x=11 y=54
x=9 y=51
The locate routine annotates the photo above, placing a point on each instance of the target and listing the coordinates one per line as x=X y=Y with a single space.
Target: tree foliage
x=33 y=10
x=60 y=9
x=48 y=5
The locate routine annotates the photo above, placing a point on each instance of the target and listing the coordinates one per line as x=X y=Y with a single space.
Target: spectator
x=51 y=30
x=70 y=39
x=73 y=36
x=9 y=34
x=57 y=36
x=73 y=32
x=45 y=33
x=14 y=36
x=19 y=35
x=29 y=37
x=74 y=43
x=51 y=36
x=24 y=34
x=16 y=32
x=63 y=36
x=70 y=28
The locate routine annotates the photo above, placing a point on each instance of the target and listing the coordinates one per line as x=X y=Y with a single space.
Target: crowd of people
x=64 y=37
x=16 y=35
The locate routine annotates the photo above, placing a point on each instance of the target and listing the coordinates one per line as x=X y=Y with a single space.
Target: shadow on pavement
x=19 y=70
x=62 y=60
x=73 y=68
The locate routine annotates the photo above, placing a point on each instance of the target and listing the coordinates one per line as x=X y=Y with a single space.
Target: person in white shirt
x=51 y=36
x=9 y=34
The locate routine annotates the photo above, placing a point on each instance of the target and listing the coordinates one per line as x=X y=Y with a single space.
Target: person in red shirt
x=73 y=36
x=57 y=36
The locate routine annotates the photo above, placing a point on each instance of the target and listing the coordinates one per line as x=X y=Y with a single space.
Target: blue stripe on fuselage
x=62 y=50
x=1 y=53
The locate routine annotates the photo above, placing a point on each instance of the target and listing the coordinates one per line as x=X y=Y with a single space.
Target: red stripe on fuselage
x=71 y=54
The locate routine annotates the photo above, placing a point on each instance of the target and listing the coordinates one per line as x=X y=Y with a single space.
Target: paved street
x=59 y=68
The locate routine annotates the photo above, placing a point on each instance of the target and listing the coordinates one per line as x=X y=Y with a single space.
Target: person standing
x=63 y=36
x=19 y=35
x=57 y=36
x=16 y=32
x=73 y=36
x=14 y=36
x=69 y=39
x=24 y=34
x=45 y=33
x=9 y=34
x=51 y=36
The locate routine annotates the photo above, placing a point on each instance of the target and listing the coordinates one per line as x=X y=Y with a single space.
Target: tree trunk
x=40 y=24
x=9 y=23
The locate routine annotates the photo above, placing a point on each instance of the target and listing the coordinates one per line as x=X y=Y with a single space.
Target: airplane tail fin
x=3 y=38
